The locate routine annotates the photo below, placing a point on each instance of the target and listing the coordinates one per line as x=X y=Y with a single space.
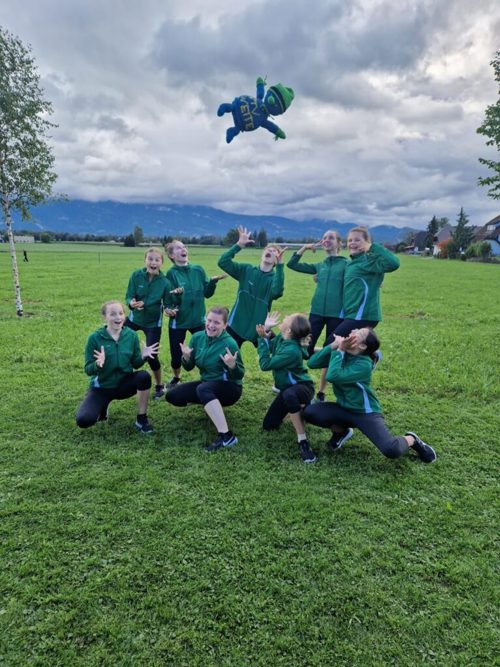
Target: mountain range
x=119 y=219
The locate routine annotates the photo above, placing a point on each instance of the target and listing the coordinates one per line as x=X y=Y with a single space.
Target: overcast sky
x=388 y=96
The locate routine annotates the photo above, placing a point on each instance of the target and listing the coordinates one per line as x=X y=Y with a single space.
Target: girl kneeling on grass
x=111 y=355
x=216 y=355
x=284 y=356
x=349 y=362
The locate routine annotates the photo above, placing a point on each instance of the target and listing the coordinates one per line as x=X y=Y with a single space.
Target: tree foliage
x=461 y=237
x=491 y=129
x=26 y=159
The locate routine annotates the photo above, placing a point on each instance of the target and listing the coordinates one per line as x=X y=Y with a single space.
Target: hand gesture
x=279 y=255
x=272 y=320
x=186 y=351
x=177 y=290
x=261 y=331
x=171 y=312
x=244 y=238
x=337 y=342
x=136 y=305
x=219 y=277
x=100 y=357
x=310 y=246
x=229 y=359
x=150 y=351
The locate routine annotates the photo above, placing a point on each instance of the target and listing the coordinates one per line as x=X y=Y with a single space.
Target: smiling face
x=153 y=262
x=215 y=324
x=178 y=253
x=357 y=243
x=114 y=316
x=331 y=242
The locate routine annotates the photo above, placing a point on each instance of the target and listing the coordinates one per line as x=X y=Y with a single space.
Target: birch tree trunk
x=15 y=270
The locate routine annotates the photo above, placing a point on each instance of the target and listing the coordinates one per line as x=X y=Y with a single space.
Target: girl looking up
x=284 y=356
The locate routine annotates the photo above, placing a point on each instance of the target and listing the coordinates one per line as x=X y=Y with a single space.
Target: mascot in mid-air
x=249 y=113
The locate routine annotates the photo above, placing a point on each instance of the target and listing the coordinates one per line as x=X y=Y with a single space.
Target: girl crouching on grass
x=149 y=294
x=349 y=362
x=111 y=355
x=216 y=355
x=284 y=356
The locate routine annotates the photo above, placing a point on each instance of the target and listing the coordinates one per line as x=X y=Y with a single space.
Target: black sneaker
x=338 y=439
x=306 y=453
x=174 y=381
x=423 y=451
x=229 y=440
x=144 y=427
x=319 y=398
x=160 y=391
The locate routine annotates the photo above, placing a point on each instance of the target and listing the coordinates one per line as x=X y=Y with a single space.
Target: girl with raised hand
x=149 y=295
x=349 y=362
x=111 y=355
x=190 y=316
x=284 y=356
x=216 y=355
x=258 y=286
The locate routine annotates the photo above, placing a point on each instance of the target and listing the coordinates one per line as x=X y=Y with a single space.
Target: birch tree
x=26 y=160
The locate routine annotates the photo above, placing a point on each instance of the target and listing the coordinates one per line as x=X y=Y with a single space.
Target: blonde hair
x=363 y=231
x=159 y=251
x=106 y=304
x=337 y=236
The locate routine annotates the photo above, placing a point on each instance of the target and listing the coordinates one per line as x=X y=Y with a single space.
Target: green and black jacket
x=363 y=276
x=121 y=357
x=256 y=291
x=285 y=358
x=350 y=375
x=156 y=296
x=206 y=354
x=327 y=298
x=197 y=288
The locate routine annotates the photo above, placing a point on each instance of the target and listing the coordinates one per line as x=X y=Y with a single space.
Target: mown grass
x=122 y=550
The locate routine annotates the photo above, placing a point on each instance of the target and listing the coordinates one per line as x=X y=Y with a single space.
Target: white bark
x=15 y=270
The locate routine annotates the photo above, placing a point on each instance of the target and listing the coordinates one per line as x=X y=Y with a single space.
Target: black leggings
x=290 y=400
x=317 y=323
x=201 y=393
x=239 y=340
x=346 y=326
x=95 y=403
x=372 y=425
x=153 y=335
x=175 y=338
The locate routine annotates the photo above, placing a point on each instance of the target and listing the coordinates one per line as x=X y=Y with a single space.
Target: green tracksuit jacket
x=197 y=288
x=206 y=356
x=121 y=357
x=285 y=358
x=156 y=296
x=327 y=298
x=256 y=292
x=363 y=276
x=350 y=375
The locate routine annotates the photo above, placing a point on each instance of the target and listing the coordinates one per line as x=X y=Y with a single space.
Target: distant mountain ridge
x=107 y=217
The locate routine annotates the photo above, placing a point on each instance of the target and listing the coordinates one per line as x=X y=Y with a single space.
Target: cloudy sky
x=388 y=96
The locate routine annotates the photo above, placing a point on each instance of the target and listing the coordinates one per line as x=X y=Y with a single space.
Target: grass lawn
x=122 y=550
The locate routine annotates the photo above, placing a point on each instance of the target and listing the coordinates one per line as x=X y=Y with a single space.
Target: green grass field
x=122 y=550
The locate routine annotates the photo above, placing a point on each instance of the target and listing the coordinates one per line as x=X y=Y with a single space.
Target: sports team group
x=346 y=302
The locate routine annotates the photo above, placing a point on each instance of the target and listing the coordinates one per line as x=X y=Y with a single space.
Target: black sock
x=142 y=419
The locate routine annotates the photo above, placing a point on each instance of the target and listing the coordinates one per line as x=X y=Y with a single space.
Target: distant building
x=490 y=232
x=24 y=239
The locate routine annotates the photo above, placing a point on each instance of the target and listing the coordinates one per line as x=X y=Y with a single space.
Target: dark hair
x=220 y=310
x=372 y=344
x=299 y=327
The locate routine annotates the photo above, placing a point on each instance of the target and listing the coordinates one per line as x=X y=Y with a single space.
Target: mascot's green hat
x=283 y=94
